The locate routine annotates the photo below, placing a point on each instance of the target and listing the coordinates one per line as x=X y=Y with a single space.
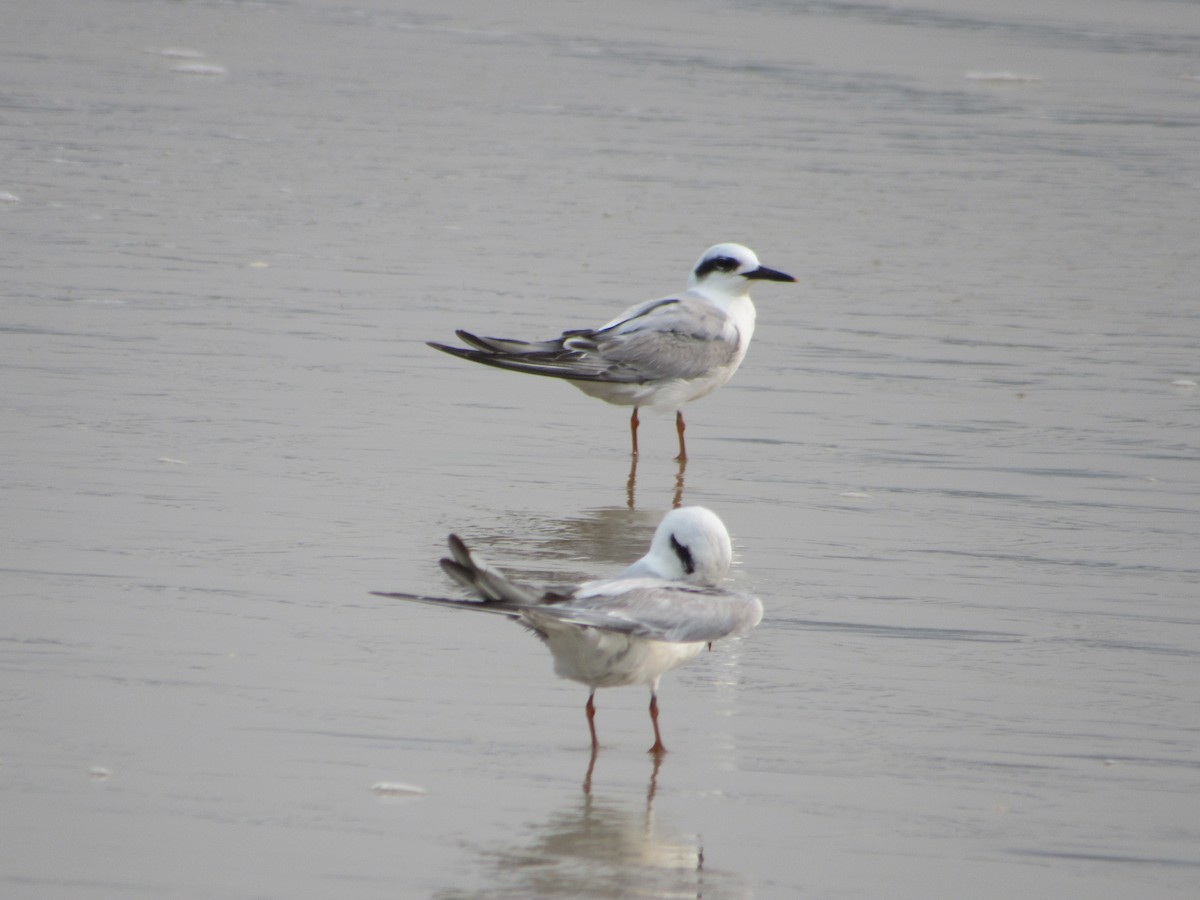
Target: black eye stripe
x=716 y=264
x=684 y=554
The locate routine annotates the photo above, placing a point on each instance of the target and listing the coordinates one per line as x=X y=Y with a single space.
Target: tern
x=656 y=615
x=661 y=353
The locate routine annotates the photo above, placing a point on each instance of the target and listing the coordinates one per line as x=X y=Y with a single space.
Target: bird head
x=692 y=545
x=730 y=269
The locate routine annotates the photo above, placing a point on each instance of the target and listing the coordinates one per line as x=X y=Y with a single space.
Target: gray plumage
x=661 y=353
x=631 y=629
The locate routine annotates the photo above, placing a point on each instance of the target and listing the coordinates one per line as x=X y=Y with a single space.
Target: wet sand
x=959 y=463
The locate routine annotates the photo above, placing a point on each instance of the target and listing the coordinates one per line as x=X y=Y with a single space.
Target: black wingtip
x=464 y=575
x=479 y=351
x=459 y=550
x=486 y=345
x=460 y=352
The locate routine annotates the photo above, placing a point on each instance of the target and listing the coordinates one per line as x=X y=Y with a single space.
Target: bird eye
x=717 y=264
x=685 y=556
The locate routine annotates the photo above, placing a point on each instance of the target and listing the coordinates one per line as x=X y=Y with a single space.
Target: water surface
x=959 y=463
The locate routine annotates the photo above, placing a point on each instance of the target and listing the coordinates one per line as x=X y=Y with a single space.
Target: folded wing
x=678 y=337
x=662 y=611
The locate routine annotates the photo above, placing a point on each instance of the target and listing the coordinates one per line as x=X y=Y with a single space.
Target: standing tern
x=661 y=353
x=631 y=629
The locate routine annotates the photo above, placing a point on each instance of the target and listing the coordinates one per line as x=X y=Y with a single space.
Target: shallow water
x=959 y=463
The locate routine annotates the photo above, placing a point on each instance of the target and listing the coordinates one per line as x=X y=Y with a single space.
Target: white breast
x=604 y=659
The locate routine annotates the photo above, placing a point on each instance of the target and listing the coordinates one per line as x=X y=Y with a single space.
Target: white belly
x=604 y=659
x=665 y=396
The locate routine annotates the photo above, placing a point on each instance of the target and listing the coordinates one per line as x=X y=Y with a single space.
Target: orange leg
x=658 y=749
x=591 y=714
x=633 y=427
x=679 y=428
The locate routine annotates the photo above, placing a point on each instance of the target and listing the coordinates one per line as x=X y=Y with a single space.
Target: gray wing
x=644 y=607
x=674 y=613
x=473 y=572
x=676 y=337
x=503 y=609
x=495 y=591
x=684 y=337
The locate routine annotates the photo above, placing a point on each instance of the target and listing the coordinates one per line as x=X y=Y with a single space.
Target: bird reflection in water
x=631 y=483
x=608 y=847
